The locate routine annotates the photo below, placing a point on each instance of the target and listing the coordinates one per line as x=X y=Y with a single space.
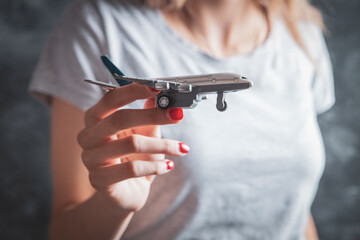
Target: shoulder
x=95 y=12
x=104 y=6
x=124 y=11
x=313 y=38
x=310 y=34
x=101 y=23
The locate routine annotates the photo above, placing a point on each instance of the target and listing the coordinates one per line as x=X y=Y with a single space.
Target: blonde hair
x=291 y=11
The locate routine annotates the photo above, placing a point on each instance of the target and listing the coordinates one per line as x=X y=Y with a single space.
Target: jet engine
x=184 y=88
x=162 y=86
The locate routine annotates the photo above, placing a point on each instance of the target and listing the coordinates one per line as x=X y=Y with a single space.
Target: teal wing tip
x=111 y=66
x=105 y=59
x=113 y=69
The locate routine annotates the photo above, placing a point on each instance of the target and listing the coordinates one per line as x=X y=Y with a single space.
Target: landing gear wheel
x=221 y=104
x=221 y=107
x=163 y=102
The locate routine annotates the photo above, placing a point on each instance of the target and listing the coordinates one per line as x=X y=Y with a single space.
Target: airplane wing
x=143 y=81
x=158 y=84
x=104 y=85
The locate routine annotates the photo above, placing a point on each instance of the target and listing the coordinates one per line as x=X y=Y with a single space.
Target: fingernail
x=170 y=165
x=184 y=148
x=153 y=89
x=176 y=114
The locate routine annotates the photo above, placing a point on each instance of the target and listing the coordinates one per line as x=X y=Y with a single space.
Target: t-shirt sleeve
x=323 y=82
x=71 y=55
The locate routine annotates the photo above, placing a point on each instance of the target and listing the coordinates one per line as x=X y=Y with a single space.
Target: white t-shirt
x=254 y=169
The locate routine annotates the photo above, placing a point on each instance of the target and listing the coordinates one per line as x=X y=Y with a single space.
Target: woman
x=252 y=171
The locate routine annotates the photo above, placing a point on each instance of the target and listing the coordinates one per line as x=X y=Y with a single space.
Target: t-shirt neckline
x=196 y=51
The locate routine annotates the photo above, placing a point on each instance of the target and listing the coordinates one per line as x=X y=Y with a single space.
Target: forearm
x=92 y=219
x=310 y=232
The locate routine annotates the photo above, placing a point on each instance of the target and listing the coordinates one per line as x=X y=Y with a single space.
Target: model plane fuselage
x=182 y=91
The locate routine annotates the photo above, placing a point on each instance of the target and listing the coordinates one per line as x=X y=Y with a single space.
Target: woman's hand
x=123 y=149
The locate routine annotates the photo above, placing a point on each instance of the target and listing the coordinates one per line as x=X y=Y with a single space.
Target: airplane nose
x=250 y=84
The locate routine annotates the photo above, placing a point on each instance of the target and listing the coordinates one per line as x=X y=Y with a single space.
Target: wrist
x=110 y=206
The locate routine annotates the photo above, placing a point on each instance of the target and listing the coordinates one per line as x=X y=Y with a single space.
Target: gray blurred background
x=25 y=186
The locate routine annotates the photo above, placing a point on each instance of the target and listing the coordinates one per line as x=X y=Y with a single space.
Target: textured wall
x=24 y=137
x=336 y=208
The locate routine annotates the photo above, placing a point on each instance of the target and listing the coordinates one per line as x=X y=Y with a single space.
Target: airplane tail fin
x=114 y=70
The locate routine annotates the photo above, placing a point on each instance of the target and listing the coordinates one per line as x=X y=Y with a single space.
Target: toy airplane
x=181 y=91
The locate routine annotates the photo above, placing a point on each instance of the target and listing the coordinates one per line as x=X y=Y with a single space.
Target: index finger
x=115 y=99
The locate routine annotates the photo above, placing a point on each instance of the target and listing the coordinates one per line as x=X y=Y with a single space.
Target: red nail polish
x=153 y=89
x=170 y=165
x=176 y=114
x=184 y=148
